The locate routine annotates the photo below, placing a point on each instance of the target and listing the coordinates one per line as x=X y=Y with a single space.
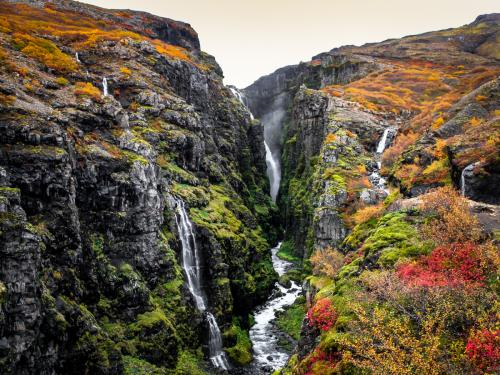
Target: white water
x=77 y=59
x=383 y=141
x=463 y=186
x=267 y=353
x=273 y=172
x=105 y=86
x=241 y=97
x=376 y=179
x=192 y=268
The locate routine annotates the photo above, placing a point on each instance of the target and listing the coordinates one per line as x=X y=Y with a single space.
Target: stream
x=268 y=355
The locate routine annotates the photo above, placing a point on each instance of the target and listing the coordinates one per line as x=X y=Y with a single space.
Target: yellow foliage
x=87 y=89
x=475 y=121
x=369 y=212
x=330 y=138
x=61 y=81
x=437 y=124
x=481 y=98
x=326 y=262
x=125 y=71
x=44 y=51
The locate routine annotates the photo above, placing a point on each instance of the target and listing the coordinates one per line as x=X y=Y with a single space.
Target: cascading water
x=77 y=58
x=273 y=172
x=267 y=353
x=376 y=179
x=192 y=268
x=272 y=130
x=105 y=86
x=463 y=184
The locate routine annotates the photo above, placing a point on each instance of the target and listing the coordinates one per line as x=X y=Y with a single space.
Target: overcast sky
x=253 y=38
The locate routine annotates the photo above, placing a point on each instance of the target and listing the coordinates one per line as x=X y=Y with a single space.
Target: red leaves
x=452 y=265
x=320 y=362
x=483 y=350
x=322 y=315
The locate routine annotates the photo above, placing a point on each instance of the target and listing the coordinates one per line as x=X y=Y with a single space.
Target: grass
x=290 y=321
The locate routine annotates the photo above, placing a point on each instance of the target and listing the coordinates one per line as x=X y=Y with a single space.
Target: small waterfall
x=273 y=172
x=463 y=185
x=77 y=58
x=217 y=355
x=105 y=86
x=383 y=141
x=241 y=97
x=192 y=268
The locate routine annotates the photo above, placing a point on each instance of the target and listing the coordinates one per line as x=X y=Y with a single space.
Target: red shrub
x=320 y=362
x=483 y=350
x=322 y=315
x=450 y=265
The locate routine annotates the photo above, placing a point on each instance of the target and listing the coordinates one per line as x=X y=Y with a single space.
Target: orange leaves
x=125 y=71
x=330 y=138
x=87 y=89
x=326 y=262
x=369 y=212
x=322 y=315
x=44 y=51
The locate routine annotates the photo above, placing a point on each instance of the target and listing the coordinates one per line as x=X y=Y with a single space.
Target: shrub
x=61 y=81
x=449 y=219
x=326 y=262
x=450 y=265
x=87 y=89
x=322 y=315
x=483 y=350
x=368 y=212
x=44 y=51
x=125 y=71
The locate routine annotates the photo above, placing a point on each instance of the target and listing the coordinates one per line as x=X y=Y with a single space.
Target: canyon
x=155 y=221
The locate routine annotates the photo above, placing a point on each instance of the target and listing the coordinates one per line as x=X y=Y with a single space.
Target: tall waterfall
x=376 y=179
x=273 y=172
x=105 y=86
x=192 y=269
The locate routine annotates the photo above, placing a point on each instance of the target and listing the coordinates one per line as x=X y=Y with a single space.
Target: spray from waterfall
x=192 y=267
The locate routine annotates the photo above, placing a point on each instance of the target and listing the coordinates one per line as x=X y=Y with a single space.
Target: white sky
x=253 y=38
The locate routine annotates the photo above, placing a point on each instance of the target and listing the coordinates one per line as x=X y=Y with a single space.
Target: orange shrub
x=326 y=262
x=401 y=143
x=330 y=138
x=368 y=212
x=451 y=220
x=44 y=51
x=87 y=89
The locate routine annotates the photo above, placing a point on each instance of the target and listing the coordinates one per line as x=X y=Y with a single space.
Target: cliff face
x=90 y=260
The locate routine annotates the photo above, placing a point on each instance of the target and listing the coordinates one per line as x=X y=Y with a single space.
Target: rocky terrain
x=124 y=159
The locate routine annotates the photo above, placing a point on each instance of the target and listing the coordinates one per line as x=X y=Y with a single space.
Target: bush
x=449 y=219
x=326 y=262
x=451 y=265
x=322 y=315
x=87 y=89
x=483 y=350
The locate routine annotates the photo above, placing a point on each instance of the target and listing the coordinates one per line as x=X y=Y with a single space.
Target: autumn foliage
x=450 y=265
x=326 y=262
x=87 y=89
x=322 y=315
x=483 y=350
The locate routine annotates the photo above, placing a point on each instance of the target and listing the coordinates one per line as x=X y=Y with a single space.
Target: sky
x=253 y=38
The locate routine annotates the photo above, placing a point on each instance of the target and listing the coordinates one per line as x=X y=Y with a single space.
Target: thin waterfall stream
x=192 y=268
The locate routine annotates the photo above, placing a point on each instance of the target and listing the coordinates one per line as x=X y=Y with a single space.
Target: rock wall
x=90 y=270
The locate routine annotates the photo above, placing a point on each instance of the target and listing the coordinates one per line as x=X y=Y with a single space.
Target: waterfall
x=76 y=57
x=273 y=172
x=192 y=268
x=105 y=86
x=383 y=141
x=217 y=355
x=463 y=185
x=241 y=97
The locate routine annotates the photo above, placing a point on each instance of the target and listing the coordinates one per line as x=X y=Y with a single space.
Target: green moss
x=189 y=364
x=290 y=321
x=394 y=238
x=3 y=293
x=287 y=252
x=241 y=352
x=149 y=320
x=132 y=157
x=136 y=366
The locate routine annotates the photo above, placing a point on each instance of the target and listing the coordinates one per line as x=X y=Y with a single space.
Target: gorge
x=338 y=216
